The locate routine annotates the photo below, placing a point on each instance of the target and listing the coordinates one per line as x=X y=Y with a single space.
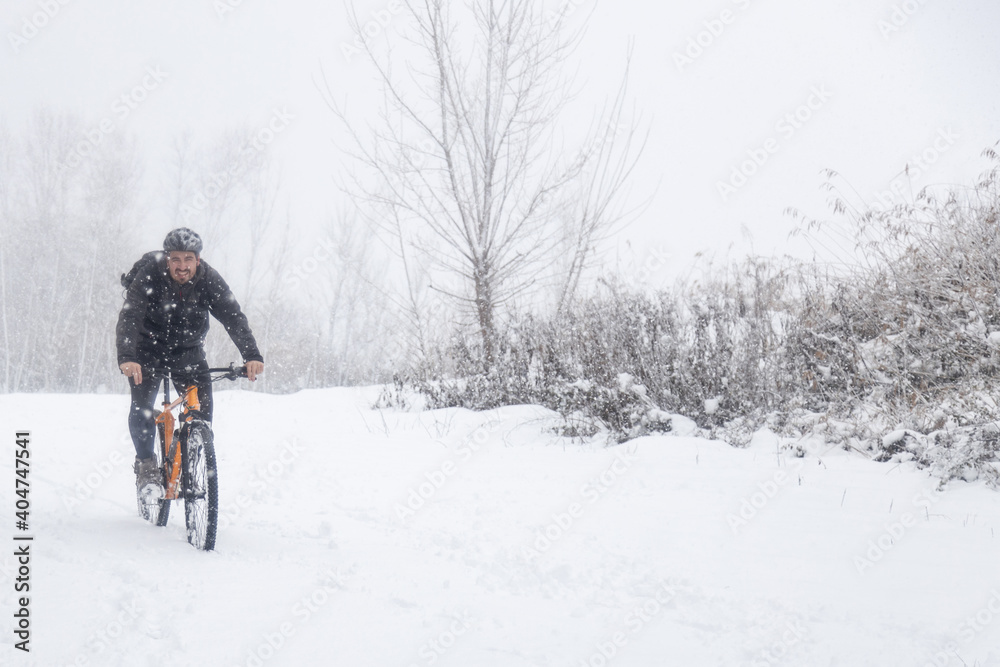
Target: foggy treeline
x=71 y=208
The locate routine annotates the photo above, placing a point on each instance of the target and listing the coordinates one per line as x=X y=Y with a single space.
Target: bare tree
x=342 y=284
x=107 y=216
x=263 y=186
x=42 y=190
x=270 y=312
x=214 y=186
x=66 y=214
x=469 y=171
x=176 y=185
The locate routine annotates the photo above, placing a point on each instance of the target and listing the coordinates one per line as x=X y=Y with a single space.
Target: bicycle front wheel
x=200 y=487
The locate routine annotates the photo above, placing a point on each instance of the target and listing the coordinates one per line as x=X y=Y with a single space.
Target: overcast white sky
x=886 y=80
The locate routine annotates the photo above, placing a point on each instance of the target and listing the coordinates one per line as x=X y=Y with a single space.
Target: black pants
x=140 y=417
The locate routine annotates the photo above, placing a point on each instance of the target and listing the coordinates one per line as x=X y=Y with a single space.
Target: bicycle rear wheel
x=200 y=487
x=157 y=513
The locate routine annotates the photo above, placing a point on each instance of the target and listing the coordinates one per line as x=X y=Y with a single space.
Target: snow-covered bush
x=907 y=341
x=534 y=364
x=622 y=360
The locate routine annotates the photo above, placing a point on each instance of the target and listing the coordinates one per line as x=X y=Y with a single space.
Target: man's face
x=182 y=265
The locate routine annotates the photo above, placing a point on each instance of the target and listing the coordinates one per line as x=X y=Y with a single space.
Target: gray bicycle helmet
x=182 y=239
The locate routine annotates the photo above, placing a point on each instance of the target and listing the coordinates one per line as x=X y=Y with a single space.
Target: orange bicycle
x=186 y=455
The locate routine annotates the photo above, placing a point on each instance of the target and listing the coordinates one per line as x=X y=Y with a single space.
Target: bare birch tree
x=466 y=157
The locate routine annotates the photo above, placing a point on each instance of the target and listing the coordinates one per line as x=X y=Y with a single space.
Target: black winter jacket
x=163 y=321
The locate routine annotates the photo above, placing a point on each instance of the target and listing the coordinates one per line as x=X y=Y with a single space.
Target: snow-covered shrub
x=622 y=360
x=541 y=362
x=907 y=341
x=730 y=358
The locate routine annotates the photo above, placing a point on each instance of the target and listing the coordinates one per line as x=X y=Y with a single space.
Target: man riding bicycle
x=162 y=325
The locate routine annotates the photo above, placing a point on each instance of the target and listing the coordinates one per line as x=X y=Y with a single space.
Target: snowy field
x=353 y=536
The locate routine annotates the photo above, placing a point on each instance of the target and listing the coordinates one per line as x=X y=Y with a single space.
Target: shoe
x=148 y=480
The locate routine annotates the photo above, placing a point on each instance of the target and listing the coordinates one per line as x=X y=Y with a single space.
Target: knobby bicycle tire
x=200 y=485
x=159 y=512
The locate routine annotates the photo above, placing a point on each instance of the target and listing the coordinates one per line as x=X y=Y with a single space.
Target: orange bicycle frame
x=171 y=440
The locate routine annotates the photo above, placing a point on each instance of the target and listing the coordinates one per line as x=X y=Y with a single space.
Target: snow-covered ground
x=353 y=536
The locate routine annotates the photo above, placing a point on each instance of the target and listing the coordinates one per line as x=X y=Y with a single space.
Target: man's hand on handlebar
x=254 y=368
x=132 y=370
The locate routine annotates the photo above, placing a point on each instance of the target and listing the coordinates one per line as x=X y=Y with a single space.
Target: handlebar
x=230 y=372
